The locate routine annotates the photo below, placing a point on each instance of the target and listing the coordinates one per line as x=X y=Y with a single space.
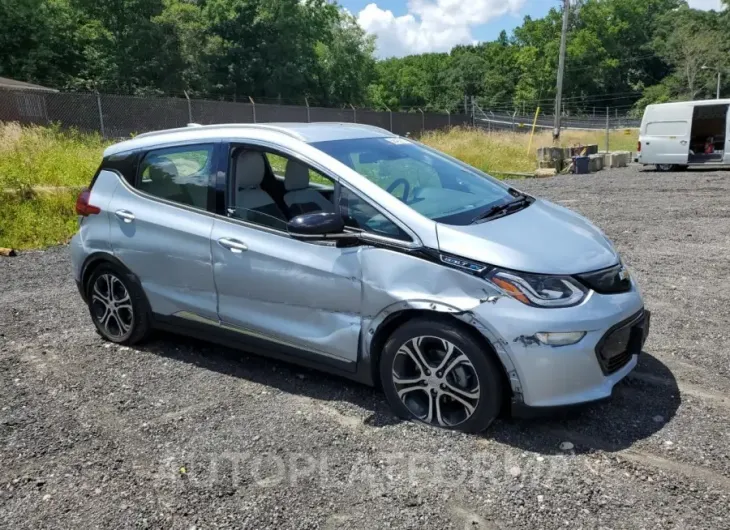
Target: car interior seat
x=253 y=203
x=299 y=197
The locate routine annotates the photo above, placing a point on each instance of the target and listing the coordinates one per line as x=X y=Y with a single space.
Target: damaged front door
x=296 y=295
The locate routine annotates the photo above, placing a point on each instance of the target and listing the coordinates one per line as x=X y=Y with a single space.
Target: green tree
x=39 y=41
x=345 y=64
x=696 y=44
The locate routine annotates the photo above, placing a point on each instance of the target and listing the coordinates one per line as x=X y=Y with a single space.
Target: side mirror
x=317 y=225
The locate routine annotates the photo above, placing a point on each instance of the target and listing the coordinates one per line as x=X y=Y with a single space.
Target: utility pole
x=561 y=69
x=719 y=77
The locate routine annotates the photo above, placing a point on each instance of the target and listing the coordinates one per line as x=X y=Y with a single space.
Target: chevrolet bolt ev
x=349 y=249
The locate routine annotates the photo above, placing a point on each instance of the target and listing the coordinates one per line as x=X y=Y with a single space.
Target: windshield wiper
x=501 y=210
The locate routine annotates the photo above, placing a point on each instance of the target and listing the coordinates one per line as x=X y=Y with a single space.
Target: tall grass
x=504 y=152
x=47 y=156
x=43 y=219
x=42 y=157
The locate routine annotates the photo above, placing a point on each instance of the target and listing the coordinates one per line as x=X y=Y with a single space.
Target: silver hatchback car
x=349 y=249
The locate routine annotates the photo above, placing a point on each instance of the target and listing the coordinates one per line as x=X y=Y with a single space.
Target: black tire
x=665 y=168
x=429 y=332
x=136 y=317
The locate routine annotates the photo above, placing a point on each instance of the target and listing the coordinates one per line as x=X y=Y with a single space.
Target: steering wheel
x=399 y=182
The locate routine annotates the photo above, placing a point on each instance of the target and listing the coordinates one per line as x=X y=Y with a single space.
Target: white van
x=687 y=133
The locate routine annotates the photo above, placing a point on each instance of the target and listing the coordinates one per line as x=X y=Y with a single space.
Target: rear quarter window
x=123 y=163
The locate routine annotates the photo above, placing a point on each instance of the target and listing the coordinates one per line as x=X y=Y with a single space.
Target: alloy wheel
x=111 y=306
x=436 y=381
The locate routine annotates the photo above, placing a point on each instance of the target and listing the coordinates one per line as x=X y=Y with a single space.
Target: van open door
x=709 y=133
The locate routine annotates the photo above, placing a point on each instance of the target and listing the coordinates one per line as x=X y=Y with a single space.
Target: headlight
x=539 y=289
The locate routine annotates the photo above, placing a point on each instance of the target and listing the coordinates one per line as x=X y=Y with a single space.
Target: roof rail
x=271 y=127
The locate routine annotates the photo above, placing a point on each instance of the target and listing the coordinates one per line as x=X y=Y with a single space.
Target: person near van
x=709 y=146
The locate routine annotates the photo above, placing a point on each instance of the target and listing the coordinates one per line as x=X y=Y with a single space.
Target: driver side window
x=361 y=215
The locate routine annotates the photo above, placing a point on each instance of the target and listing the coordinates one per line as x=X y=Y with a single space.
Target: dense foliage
x=621 y=54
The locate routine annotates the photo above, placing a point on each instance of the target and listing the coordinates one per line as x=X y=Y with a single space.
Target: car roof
x=306 y=132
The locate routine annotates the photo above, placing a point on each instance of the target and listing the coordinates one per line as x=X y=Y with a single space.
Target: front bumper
x=556 y=376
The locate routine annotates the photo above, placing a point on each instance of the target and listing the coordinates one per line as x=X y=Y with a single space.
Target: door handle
x=683 y=142
x=125 y=215
x=234 y=245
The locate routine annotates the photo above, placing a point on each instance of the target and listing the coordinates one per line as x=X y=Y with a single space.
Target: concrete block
x=615 y=159
x=545 y=172
x=557 y=165
x=620 y=158
x=551 y=157
x=595 y=163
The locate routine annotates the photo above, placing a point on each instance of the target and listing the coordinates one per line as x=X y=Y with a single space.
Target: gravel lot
x=182 y=434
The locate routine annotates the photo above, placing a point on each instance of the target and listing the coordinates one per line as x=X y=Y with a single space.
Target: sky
x=405 y=27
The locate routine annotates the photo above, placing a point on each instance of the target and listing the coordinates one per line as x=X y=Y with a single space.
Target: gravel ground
x=182 y=434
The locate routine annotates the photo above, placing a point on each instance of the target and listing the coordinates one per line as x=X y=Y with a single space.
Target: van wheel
x=117 y=306
x=433 y=372
x=665 y=167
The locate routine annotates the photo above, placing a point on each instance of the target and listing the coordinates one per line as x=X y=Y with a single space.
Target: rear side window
x=666 y=128
x=123 y=163
x=178 y=174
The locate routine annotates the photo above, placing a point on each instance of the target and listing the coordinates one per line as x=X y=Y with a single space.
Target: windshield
x=434 y=185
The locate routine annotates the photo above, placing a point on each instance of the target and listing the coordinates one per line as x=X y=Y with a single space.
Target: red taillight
x=83 y=208
x=638 y=148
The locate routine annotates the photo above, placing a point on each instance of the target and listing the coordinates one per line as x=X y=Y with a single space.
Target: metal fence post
x=390 y=113
x=306 y=102
x=448 y=112
x=190 y=109
x=513 y=120
x=253 y=106
x=423 y=120
x=608 y=124
x=101 y=115
x=354 y=113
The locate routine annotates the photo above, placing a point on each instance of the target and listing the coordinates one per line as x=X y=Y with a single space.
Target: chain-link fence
x=121 y=116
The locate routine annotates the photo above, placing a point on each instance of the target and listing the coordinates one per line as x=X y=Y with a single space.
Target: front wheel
x=665 y=167
x=436 y=373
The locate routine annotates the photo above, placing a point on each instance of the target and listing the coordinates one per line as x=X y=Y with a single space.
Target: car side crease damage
x=399 y=282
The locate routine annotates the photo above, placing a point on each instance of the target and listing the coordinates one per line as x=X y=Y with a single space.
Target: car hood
x=543 y=238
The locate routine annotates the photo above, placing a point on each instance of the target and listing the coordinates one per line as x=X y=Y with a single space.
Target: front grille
x=621 y=342
x=607 y=281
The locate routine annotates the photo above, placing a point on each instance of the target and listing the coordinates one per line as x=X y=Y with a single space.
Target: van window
x=667 y=128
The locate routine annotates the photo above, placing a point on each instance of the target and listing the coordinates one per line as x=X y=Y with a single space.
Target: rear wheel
x=665 y=167
x=117 y=306
x=435 y=372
